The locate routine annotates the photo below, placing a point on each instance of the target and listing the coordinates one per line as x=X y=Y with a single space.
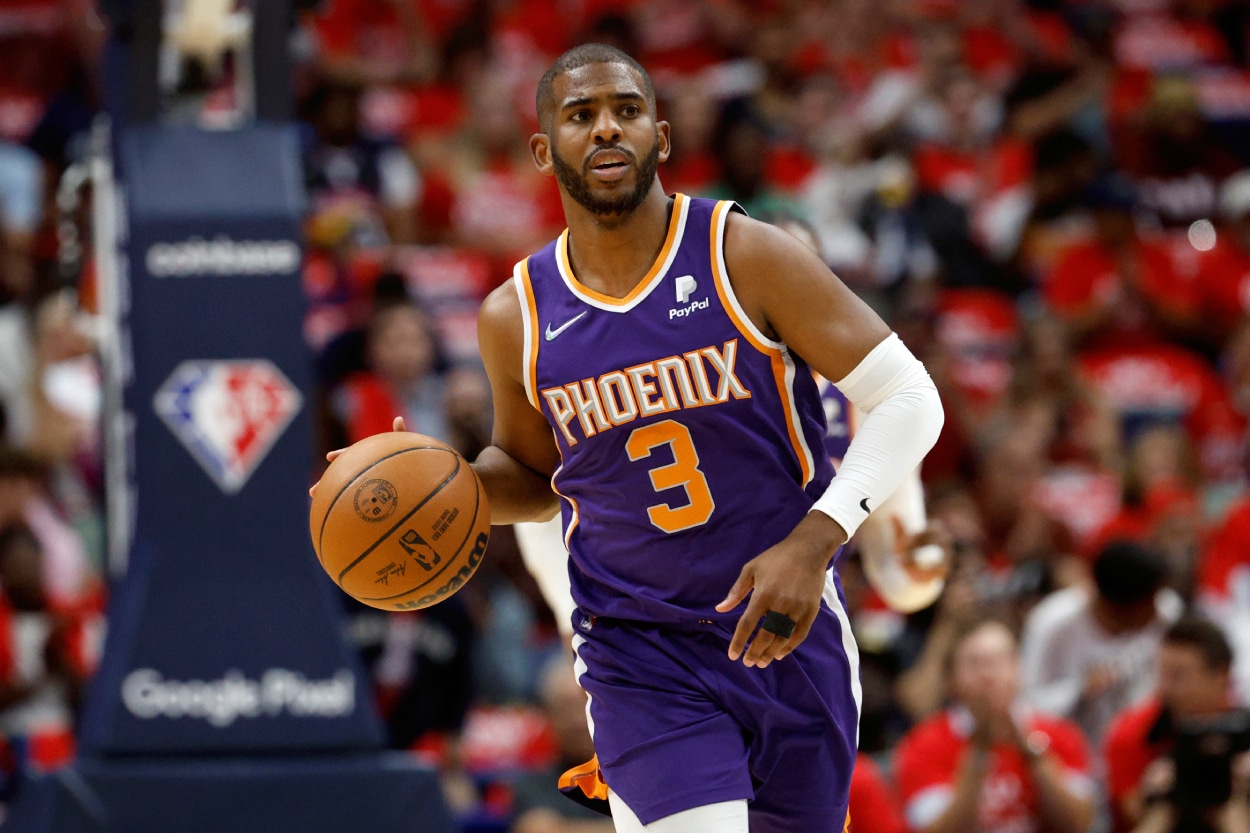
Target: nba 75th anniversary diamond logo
x=228 y=414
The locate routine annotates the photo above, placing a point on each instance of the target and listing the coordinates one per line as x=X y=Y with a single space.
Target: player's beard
x=618 y=206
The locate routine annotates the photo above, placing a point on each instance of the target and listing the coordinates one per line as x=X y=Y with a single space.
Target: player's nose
x=607 y=129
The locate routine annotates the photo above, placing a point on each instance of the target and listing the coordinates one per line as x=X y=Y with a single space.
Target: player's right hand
x=789 y=578
x=397 y=425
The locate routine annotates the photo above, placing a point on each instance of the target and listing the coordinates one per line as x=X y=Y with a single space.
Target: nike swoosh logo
x=863 y=504
x=551 y=334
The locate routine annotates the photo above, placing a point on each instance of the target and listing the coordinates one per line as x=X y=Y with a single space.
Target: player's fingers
x=335 y=453
x=398 y=424
x=746 y=626
x=746 y=580
x=761 y=651
x=313 y=488
x=796 y=639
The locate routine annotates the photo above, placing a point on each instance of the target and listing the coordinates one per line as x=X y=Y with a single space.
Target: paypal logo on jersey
x=682 y=312
x=686 y=285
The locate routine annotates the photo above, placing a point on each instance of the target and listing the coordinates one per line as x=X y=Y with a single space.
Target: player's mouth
x=609 y=165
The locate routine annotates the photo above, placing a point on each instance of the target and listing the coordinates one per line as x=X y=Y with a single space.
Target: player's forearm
x=516 y=493
x=902 y=419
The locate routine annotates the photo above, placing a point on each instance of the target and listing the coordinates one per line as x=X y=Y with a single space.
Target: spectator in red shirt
x=1179 y=162
x=987 y=765
x=1224 y=276
x=42 y=657
x=1145 y=789
x=874 y=806
x=382 y=41
x=483 y=191
x=1117 y=288
x=401 y=379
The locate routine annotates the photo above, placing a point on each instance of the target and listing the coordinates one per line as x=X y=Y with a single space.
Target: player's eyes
x=580 y=115
x=630 y=111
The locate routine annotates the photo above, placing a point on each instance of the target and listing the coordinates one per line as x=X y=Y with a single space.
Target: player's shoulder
x=501 y=323
x=502 y=304
x=750 y=242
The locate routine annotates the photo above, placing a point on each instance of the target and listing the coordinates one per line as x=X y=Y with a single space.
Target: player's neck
x=613 y=258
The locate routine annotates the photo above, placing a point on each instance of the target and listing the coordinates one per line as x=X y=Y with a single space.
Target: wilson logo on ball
x=228 y=414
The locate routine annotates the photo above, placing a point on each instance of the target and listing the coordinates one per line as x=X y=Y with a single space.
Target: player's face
x=605 y=143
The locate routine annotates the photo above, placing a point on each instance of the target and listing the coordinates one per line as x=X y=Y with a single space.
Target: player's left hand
x=787 y=578
x=397 y=425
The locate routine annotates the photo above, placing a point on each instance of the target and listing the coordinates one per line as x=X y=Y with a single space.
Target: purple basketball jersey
x=689 y=441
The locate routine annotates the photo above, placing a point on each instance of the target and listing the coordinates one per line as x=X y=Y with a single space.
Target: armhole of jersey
x=529 y=321
x=720 y=218
x=782 y=363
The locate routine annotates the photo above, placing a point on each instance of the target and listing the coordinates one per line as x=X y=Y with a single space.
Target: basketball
x=400 y=521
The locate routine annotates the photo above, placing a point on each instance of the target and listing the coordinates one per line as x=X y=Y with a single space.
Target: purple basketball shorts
x=677 y=725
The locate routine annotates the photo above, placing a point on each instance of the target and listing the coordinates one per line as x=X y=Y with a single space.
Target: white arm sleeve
x=902 y=419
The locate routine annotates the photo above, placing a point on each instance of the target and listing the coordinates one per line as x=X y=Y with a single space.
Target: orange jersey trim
x=670 y=240
x=531 y=313
x=781 y=368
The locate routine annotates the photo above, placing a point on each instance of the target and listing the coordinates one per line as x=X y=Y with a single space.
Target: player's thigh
x=722 y=817
x=664 y=741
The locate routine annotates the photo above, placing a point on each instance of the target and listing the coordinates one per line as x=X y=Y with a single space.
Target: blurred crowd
x=1048 y=200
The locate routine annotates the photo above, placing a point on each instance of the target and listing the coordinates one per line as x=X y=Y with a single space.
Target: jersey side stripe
x=568 y=533
x=579 y=668
x=849 y=645
x=529 y=318
x=782 y=365
x=676 y=229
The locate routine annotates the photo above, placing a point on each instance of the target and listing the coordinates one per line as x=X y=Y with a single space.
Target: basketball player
x=651 y=381
x=905 y=556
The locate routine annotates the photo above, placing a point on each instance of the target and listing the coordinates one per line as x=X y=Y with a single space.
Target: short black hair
x=575 y=58
x=1205 y=637
x=1128 y=573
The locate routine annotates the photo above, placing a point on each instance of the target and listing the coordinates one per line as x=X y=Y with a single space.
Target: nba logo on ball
x=228 y=414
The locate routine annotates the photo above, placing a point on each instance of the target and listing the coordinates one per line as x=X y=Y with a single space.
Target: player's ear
x=661 y=138
x=540 y=149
